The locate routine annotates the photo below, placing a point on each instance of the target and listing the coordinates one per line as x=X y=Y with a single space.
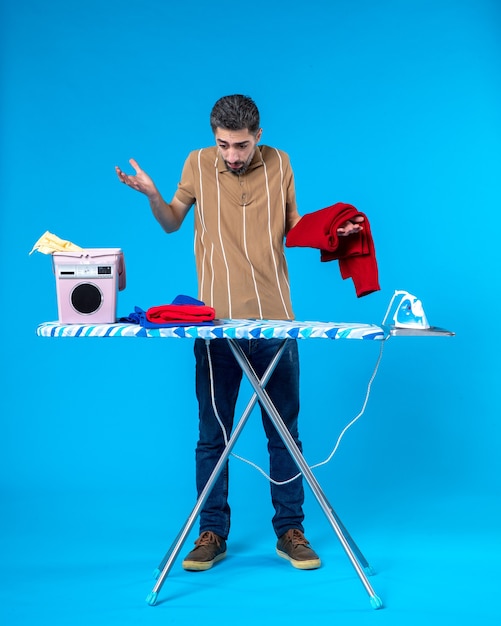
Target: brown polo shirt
x=240 y=225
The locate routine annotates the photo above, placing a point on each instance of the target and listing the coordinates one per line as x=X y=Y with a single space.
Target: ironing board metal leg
x=358 y=553
x=167 y=562
x=369 y=570
x=304 y=468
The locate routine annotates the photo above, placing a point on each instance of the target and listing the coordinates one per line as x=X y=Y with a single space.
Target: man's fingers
x=120 y=174
x=135 y=165
x=351 y=227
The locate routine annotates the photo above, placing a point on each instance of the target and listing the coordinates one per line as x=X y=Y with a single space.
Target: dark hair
x=235 y=113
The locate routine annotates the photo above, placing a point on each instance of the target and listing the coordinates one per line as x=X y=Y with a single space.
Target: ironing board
x=232 y=331
x=221 y=329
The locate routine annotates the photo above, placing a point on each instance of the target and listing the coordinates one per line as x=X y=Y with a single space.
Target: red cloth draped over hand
x=355 y=252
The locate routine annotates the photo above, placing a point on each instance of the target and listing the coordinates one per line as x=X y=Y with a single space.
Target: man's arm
x=169 y=215
x=292 y=218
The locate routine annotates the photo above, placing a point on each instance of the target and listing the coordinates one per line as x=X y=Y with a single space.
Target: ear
x=258 y=135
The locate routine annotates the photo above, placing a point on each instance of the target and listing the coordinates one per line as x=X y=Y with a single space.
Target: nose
x=233 y=156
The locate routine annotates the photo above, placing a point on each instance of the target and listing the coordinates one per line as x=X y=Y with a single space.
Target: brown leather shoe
x=294 y=547
x=210 y=548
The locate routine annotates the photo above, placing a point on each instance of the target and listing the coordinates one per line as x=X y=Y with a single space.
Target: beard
x=240 y=170
x=243 y=166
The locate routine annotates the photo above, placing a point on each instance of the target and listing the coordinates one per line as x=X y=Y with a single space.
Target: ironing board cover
x=223 y=328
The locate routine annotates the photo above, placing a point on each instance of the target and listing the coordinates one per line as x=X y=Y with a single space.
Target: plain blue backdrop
x=393 y=106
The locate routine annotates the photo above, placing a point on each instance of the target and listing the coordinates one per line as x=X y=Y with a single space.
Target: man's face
x=237 y=148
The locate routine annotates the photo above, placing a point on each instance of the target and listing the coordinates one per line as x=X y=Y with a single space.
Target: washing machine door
x=86 y=298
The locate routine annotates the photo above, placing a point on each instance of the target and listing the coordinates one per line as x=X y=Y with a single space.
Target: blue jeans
x=283 y=389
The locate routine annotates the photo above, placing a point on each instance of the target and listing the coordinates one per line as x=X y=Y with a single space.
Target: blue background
x=392 y=106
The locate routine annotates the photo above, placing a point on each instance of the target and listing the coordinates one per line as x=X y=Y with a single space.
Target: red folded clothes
x=355 y=253
x=181 y=313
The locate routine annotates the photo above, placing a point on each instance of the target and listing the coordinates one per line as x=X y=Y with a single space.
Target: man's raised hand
x=140 y=181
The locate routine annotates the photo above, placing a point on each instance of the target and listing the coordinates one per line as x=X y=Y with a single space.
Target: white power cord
x=342 y=434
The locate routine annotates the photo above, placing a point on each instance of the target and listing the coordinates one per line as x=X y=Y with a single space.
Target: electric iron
x=407 y=311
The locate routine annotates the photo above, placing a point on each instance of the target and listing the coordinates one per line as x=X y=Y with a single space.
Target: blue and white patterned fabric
x=224 y=329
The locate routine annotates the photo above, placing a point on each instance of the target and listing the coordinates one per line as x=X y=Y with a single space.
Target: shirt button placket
x=244 y=190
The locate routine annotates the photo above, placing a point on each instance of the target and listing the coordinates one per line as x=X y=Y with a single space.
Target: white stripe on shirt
x=269 y=228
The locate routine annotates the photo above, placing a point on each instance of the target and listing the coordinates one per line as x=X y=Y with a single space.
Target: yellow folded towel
x=49 y=243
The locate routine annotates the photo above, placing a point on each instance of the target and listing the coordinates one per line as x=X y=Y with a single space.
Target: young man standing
x=245 y=204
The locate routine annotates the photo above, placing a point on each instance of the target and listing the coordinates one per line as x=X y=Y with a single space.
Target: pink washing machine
x=87 y=283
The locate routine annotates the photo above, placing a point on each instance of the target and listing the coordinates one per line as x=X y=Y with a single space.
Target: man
x=245 y=204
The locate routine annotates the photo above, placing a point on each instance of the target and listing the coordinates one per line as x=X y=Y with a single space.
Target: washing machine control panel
x=85 y=271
